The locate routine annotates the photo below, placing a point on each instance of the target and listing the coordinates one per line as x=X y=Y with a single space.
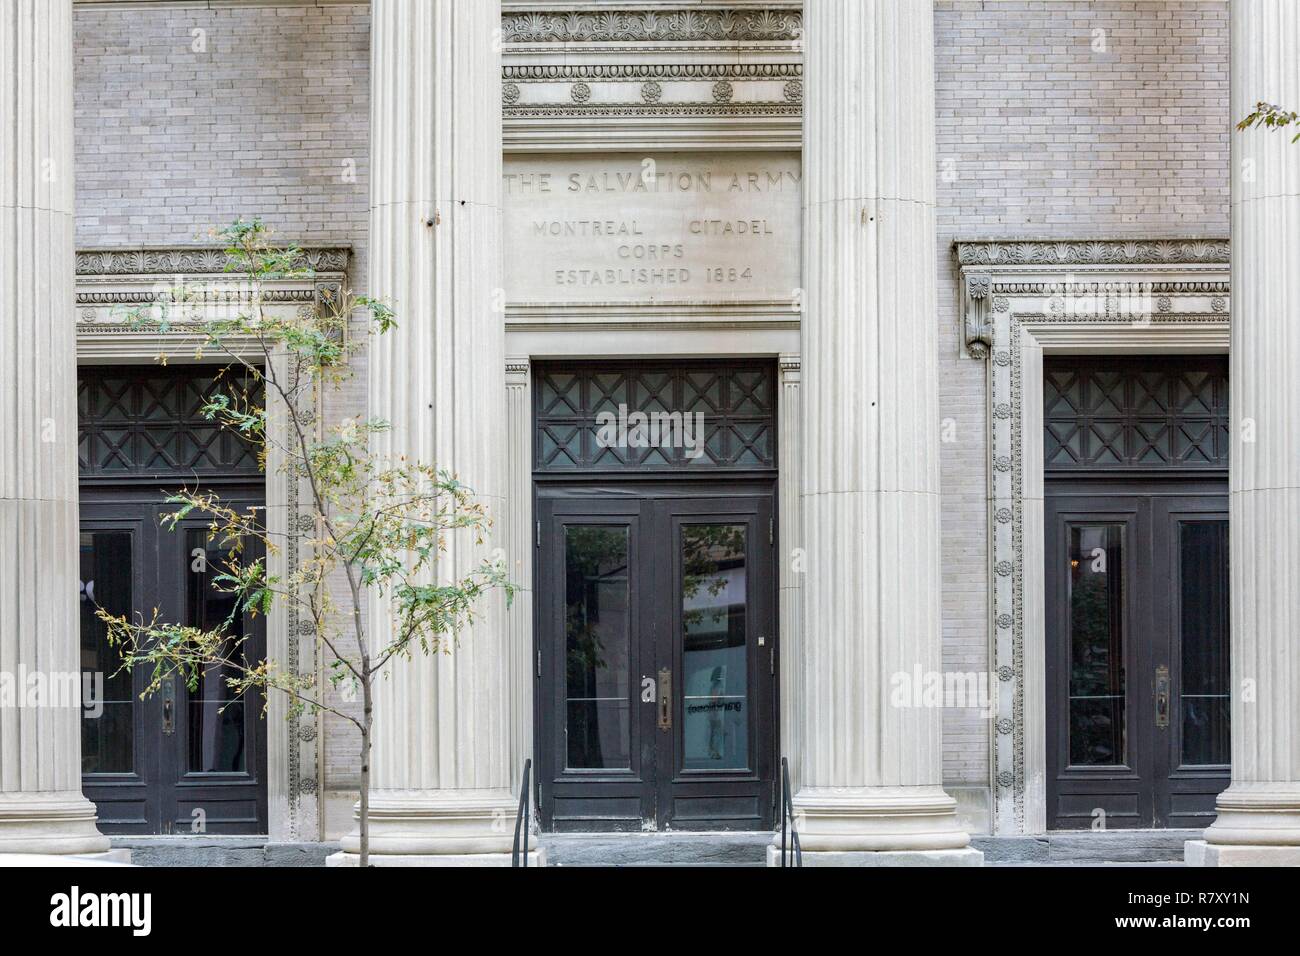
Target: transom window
x=142 y=422
x=695 y=416
x=1132 y=414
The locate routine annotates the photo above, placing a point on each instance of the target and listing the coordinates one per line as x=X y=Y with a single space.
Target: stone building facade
x=921 y=262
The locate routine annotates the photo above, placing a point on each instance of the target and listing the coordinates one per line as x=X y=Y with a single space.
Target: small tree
x=382 y=524
x=1270 y=117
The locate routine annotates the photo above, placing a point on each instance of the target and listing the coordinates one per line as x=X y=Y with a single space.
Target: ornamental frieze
x=640 y=26
x=1099 y=252
x=192 y=261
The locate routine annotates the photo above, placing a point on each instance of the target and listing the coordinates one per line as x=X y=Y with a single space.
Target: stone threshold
x=220 y=850
x=1087 y=847
x=730 y=848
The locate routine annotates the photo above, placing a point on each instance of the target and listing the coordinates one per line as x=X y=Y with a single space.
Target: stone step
x=656 y=849
x=1087 y=847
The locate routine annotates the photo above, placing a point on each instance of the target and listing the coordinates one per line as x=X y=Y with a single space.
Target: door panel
x=655 y=654
x=720 y=649
x=1192 y=547
x=213 y=763
x=117 y=770
x=171 y=762
x=596 y=752
x=1150 y=641
x=1098 y=629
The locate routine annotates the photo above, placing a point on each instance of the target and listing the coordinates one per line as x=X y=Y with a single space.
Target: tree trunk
x=364 y=828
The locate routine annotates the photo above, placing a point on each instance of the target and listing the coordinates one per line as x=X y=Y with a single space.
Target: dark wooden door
x=715 y=748
x=1190 y=566
x=179 y=760
x=656 y=655
x=1137 y=655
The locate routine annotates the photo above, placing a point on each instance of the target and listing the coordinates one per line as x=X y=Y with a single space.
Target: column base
x=1257 y=814
x=50 y=823
x=868 y=820
x=437 y=824
x=1201 y=853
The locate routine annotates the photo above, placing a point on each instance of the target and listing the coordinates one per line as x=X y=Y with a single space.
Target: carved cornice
x=193 y=260
x=632 y=72
x=576 y=74
x=1140 y=280
x=1092 y=252
x=642 y=26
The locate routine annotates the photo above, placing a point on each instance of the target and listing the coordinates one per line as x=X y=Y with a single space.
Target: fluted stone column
x=1259 y=814
x=42 y=809
x=441 y=786
x=870 y=769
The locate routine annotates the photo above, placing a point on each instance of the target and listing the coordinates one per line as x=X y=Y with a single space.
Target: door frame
x=627 y=497
x=1019 y=300
x=107 y=279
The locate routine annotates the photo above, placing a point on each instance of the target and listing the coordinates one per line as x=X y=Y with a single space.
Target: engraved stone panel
x=668 y=227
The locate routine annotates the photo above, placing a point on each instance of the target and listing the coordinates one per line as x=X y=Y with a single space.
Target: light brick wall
x=1040 y=134
x=269 y=120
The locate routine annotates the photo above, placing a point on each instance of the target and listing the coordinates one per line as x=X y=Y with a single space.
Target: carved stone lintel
x=1093 y=252
x=778 y=23
x=193 y=260
x=976 y=303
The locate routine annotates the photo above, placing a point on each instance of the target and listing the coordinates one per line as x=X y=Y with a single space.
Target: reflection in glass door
x=1097 y=724
x=715 y=654
x=107 y=737
x=597 y=634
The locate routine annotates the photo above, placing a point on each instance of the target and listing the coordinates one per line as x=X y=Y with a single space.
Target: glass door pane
x=1203 y=629
x=715 y=692
x=108 y=721
x=217 y=721
x=597 y=647
x=1096 y=641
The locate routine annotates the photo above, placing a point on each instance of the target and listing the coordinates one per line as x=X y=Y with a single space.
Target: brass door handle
x=1162 y=697
x=168 y=708
x=665 y=699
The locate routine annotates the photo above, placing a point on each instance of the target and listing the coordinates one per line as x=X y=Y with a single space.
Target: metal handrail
x=522 y=820
x=787 y=820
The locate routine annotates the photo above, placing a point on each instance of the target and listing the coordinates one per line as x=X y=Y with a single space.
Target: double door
x=1137 y=657
x=185 y=759
x=656 y=660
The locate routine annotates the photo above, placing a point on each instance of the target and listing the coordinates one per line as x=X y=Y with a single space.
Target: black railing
x=522 y=822
x=795 y=852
